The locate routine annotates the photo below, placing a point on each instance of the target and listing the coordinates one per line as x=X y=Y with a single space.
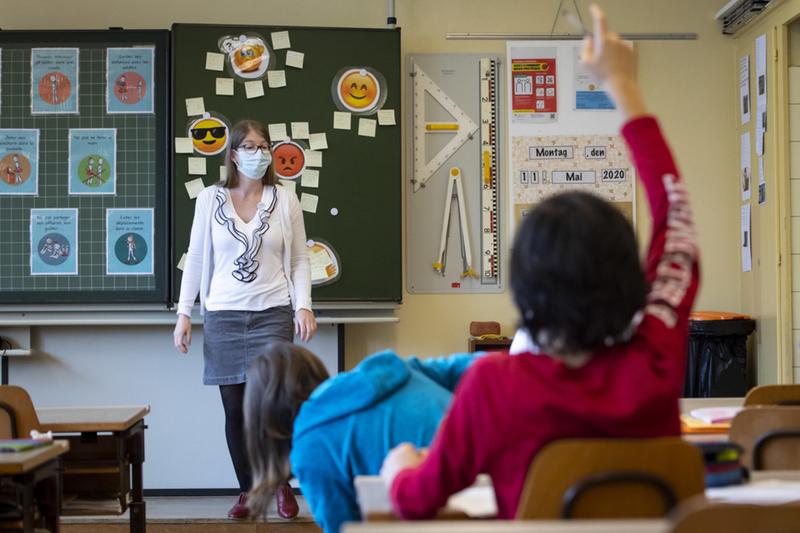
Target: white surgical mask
x=253 y=166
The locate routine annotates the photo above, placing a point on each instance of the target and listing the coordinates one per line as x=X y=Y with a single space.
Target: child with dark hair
x=603 y=344
x=328 y=430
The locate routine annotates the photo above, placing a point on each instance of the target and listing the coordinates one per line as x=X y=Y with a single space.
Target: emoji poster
x=19 y=162
x=248 y=56
x=54 y=80
x=359 y=90
x=129 y=242
x=209 y=134
x=54 y=242
x=129 y=80
x=92 y=161
x=288 y=159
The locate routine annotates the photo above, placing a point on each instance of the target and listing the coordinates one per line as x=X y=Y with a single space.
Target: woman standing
x=247 y=258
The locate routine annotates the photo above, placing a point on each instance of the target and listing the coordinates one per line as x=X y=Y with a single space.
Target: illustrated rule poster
x=129 y=80
x=534 y=95
x=54 y=81
x=92 y=161
x=19 y=162
x=129 y=241
x=54 y=242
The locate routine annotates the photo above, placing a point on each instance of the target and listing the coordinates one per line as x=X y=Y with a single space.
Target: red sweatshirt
x=508 y=406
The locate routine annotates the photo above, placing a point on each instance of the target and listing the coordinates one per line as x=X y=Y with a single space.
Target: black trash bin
x=717 y=363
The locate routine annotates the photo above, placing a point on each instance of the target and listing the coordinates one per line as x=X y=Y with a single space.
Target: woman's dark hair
x=237 y=135
x=278 y=382
x=576 y=276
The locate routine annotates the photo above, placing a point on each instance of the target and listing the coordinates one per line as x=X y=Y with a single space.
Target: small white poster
x=761 y=92
x=746 y=173
x=744 y=88
x=747 y=264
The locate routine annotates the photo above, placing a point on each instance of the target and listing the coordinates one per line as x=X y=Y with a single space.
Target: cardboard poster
x=92 y=161
x=54 y=81
x=54 y=242
x=129 y=80
x=534 y=90
x=129 y=242
x=19 y=162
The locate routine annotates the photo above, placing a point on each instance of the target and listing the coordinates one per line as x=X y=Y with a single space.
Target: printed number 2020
x=613 y=174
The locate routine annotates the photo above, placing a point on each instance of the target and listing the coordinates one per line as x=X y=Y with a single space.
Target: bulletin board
x=357 y=186
x=66 y=108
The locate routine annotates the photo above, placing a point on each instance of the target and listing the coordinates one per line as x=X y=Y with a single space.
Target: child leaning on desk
x=602 y=346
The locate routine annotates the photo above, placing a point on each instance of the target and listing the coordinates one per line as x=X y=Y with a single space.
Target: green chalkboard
x=359 y=191
x=141 y=170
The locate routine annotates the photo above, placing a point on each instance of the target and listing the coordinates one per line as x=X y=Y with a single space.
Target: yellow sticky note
x=223 y=173
x=254 y=89
x=277 y=132
x=215 y=61
x=366 y=127
x=225 y=86
x=341 y=120
x=294 y=59
x=276 y=78
x=194 y=187
x=310 y=178
x=313 y=158
x=309 y=202
x=183 y=145
x=299 y=130
x=386 y=117
x=197 y=166
x=289 y=185
x=318 y=141
x=195 y=106
x=280 y=40
x=182 y=262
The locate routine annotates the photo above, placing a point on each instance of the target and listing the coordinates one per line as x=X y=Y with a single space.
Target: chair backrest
x=773 y=395
x=699 y=516
x=770 y=436
x=17 y=406
x=611 y=478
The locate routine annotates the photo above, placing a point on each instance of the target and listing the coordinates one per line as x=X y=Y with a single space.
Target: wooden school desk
x=107 y=453
x=39 y=466
x=508 y=526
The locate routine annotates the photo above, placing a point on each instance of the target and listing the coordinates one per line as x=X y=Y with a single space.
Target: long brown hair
x=278 y=382
x=237 y=135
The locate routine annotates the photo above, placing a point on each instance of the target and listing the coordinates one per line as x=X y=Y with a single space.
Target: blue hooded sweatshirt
x=352 y=420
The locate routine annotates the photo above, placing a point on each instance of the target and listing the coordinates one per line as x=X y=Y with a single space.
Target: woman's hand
x=183 y=333
x=399 y=458
x=305 y=325
x=613 y=61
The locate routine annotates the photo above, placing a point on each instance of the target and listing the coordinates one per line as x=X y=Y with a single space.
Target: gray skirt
x=232 y=339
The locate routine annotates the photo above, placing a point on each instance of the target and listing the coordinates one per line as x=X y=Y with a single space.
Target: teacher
x=248 y=260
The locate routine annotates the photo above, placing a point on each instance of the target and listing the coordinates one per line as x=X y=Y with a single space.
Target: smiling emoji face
x=288 y=159
x=209 y=135
x=359 y=90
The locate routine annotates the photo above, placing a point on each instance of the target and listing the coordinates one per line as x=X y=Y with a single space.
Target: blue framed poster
x=19 y=162
x=129 y=242
x=129 y=80
x=92 y=161
x=54 y=242
x=54 y=80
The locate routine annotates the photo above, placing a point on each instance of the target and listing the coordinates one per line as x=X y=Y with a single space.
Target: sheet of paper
x=215 y=61
x=182 y=262
x=762 y=182
x=195 y=106
x=289 y=185
x=194 y=187
x=294 y=59
x=313 y=158
x=747 y=257
x=366 y=127
x=745 y=170
x=183 y=145
x=280 y=40
x=276 y=78
x=223 y=173
x=299 y=130
x=277 y=132
x=225 y=86
x=318 y=141
x=310 y=178
x=254 y=89
x=341 y=120
x=767 y=491
x=744 y=88
x=761 y=92
x=309 y=202
x=386 y=117
x=197 y=166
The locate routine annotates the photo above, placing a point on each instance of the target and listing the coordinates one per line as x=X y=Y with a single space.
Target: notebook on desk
x=22 y=445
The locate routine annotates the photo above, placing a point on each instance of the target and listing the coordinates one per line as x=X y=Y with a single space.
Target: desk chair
x=770 y=437
x=17 y=414
x=773 y=395
x=699 y=516
x=611 y=478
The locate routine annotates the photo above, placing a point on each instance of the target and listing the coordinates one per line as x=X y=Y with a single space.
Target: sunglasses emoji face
x=209 y=135
x=288 y=159
x=359 y=90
